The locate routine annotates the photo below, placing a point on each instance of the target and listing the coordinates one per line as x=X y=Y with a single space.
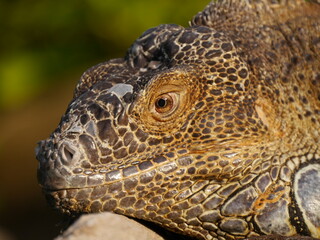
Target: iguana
x=211 y=131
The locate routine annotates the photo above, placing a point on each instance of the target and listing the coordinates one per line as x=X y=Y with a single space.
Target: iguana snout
x=73 y=147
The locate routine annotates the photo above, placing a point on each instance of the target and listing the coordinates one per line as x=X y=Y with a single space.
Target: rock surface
x=107 y=226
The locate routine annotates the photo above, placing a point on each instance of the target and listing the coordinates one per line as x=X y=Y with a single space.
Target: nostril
x=67 y=153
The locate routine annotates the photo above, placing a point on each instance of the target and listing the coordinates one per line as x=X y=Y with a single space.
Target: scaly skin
x=211 y=131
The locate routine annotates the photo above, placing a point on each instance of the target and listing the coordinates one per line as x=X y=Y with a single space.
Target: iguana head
x=151 y=130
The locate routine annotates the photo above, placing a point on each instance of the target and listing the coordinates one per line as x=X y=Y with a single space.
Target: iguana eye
x=167 y=99
x=166 y=104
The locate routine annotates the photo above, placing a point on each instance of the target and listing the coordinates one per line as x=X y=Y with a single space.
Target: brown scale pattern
x=210 y=131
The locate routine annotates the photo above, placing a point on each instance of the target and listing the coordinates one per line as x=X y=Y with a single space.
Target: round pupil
x=162 y=102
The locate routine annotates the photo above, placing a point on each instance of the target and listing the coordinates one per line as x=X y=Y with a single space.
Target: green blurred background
x=45 y=46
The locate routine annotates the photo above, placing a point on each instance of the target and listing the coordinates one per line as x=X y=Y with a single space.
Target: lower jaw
x=74 y=201
x=62 y=201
